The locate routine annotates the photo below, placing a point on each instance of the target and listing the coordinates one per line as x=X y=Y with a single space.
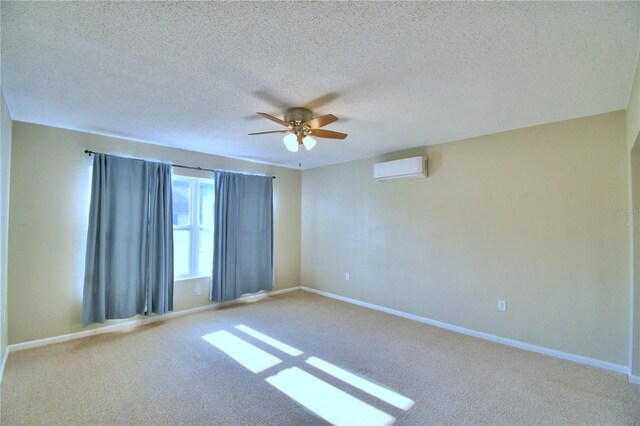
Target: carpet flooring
x=167 y=373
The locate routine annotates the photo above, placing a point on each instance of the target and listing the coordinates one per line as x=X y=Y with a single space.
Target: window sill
x=197 y=277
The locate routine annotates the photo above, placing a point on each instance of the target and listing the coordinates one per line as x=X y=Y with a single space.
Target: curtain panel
x=129 y=258
x=243 y=235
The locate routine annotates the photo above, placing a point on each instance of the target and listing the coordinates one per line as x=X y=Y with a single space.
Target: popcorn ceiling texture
x=193 y=74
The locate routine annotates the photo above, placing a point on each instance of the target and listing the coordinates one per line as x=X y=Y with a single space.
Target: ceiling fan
x=301 y=126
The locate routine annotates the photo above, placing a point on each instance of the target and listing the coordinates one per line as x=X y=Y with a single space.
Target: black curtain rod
x=89 y=152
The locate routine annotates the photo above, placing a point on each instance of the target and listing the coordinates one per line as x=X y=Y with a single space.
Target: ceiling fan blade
x=318 y=122
x=272 y=118
x=327 y=134
x=272 y=131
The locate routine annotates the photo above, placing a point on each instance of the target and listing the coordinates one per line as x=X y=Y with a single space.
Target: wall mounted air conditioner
x=407 y=168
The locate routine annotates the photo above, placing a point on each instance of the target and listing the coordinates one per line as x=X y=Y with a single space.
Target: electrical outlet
x=502 y=305
x=198 y=289
x=346 y=276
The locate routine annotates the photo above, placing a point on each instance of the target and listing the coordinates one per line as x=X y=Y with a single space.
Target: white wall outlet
x=198 y=289
x=502 y=305
x=346 y=276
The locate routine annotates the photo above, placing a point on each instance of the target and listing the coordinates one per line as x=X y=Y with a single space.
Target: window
x=193 y=203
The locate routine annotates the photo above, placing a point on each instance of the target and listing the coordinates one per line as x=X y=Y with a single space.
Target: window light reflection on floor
x=378 y=391
x=327 y=401
x=254 y=359
x=269 y=340
x=330 y=403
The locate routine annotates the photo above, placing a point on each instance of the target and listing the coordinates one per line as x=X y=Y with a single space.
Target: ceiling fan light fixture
x=309 y=142
x=291 y=142
x=299 y=123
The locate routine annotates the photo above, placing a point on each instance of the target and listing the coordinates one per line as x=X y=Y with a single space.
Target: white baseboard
x=140 y=322
x=486 y=336
x=251 y=298
x=4 y=362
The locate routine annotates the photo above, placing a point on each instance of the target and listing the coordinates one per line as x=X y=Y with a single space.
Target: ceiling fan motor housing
x=297 y=115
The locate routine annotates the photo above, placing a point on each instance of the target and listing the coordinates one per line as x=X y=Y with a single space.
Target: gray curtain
x=129 y=259
x=243 y=235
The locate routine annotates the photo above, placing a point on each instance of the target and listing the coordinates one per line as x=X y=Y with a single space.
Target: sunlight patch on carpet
x=387 y=395
x=330 y=403
x=254 y=359
x=334 y=405
x=269 y=340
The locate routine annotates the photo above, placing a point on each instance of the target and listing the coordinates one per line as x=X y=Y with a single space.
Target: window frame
x=194 y=226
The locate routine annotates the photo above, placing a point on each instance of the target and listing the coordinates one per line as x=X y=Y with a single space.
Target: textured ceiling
x=398 y=75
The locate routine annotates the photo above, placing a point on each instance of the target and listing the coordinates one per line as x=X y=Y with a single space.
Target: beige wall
x=633 y=140
x=48 y=222
x=519 y=215
x=634 y=337
x=5 y=163
x=633 y=110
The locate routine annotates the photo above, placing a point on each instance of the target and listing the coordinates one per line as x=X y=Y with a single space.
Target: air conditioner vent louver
x=407 y=168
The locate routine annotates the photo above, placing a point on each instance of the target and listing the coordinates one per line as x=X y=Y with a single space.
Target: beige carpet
x=166 y=373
